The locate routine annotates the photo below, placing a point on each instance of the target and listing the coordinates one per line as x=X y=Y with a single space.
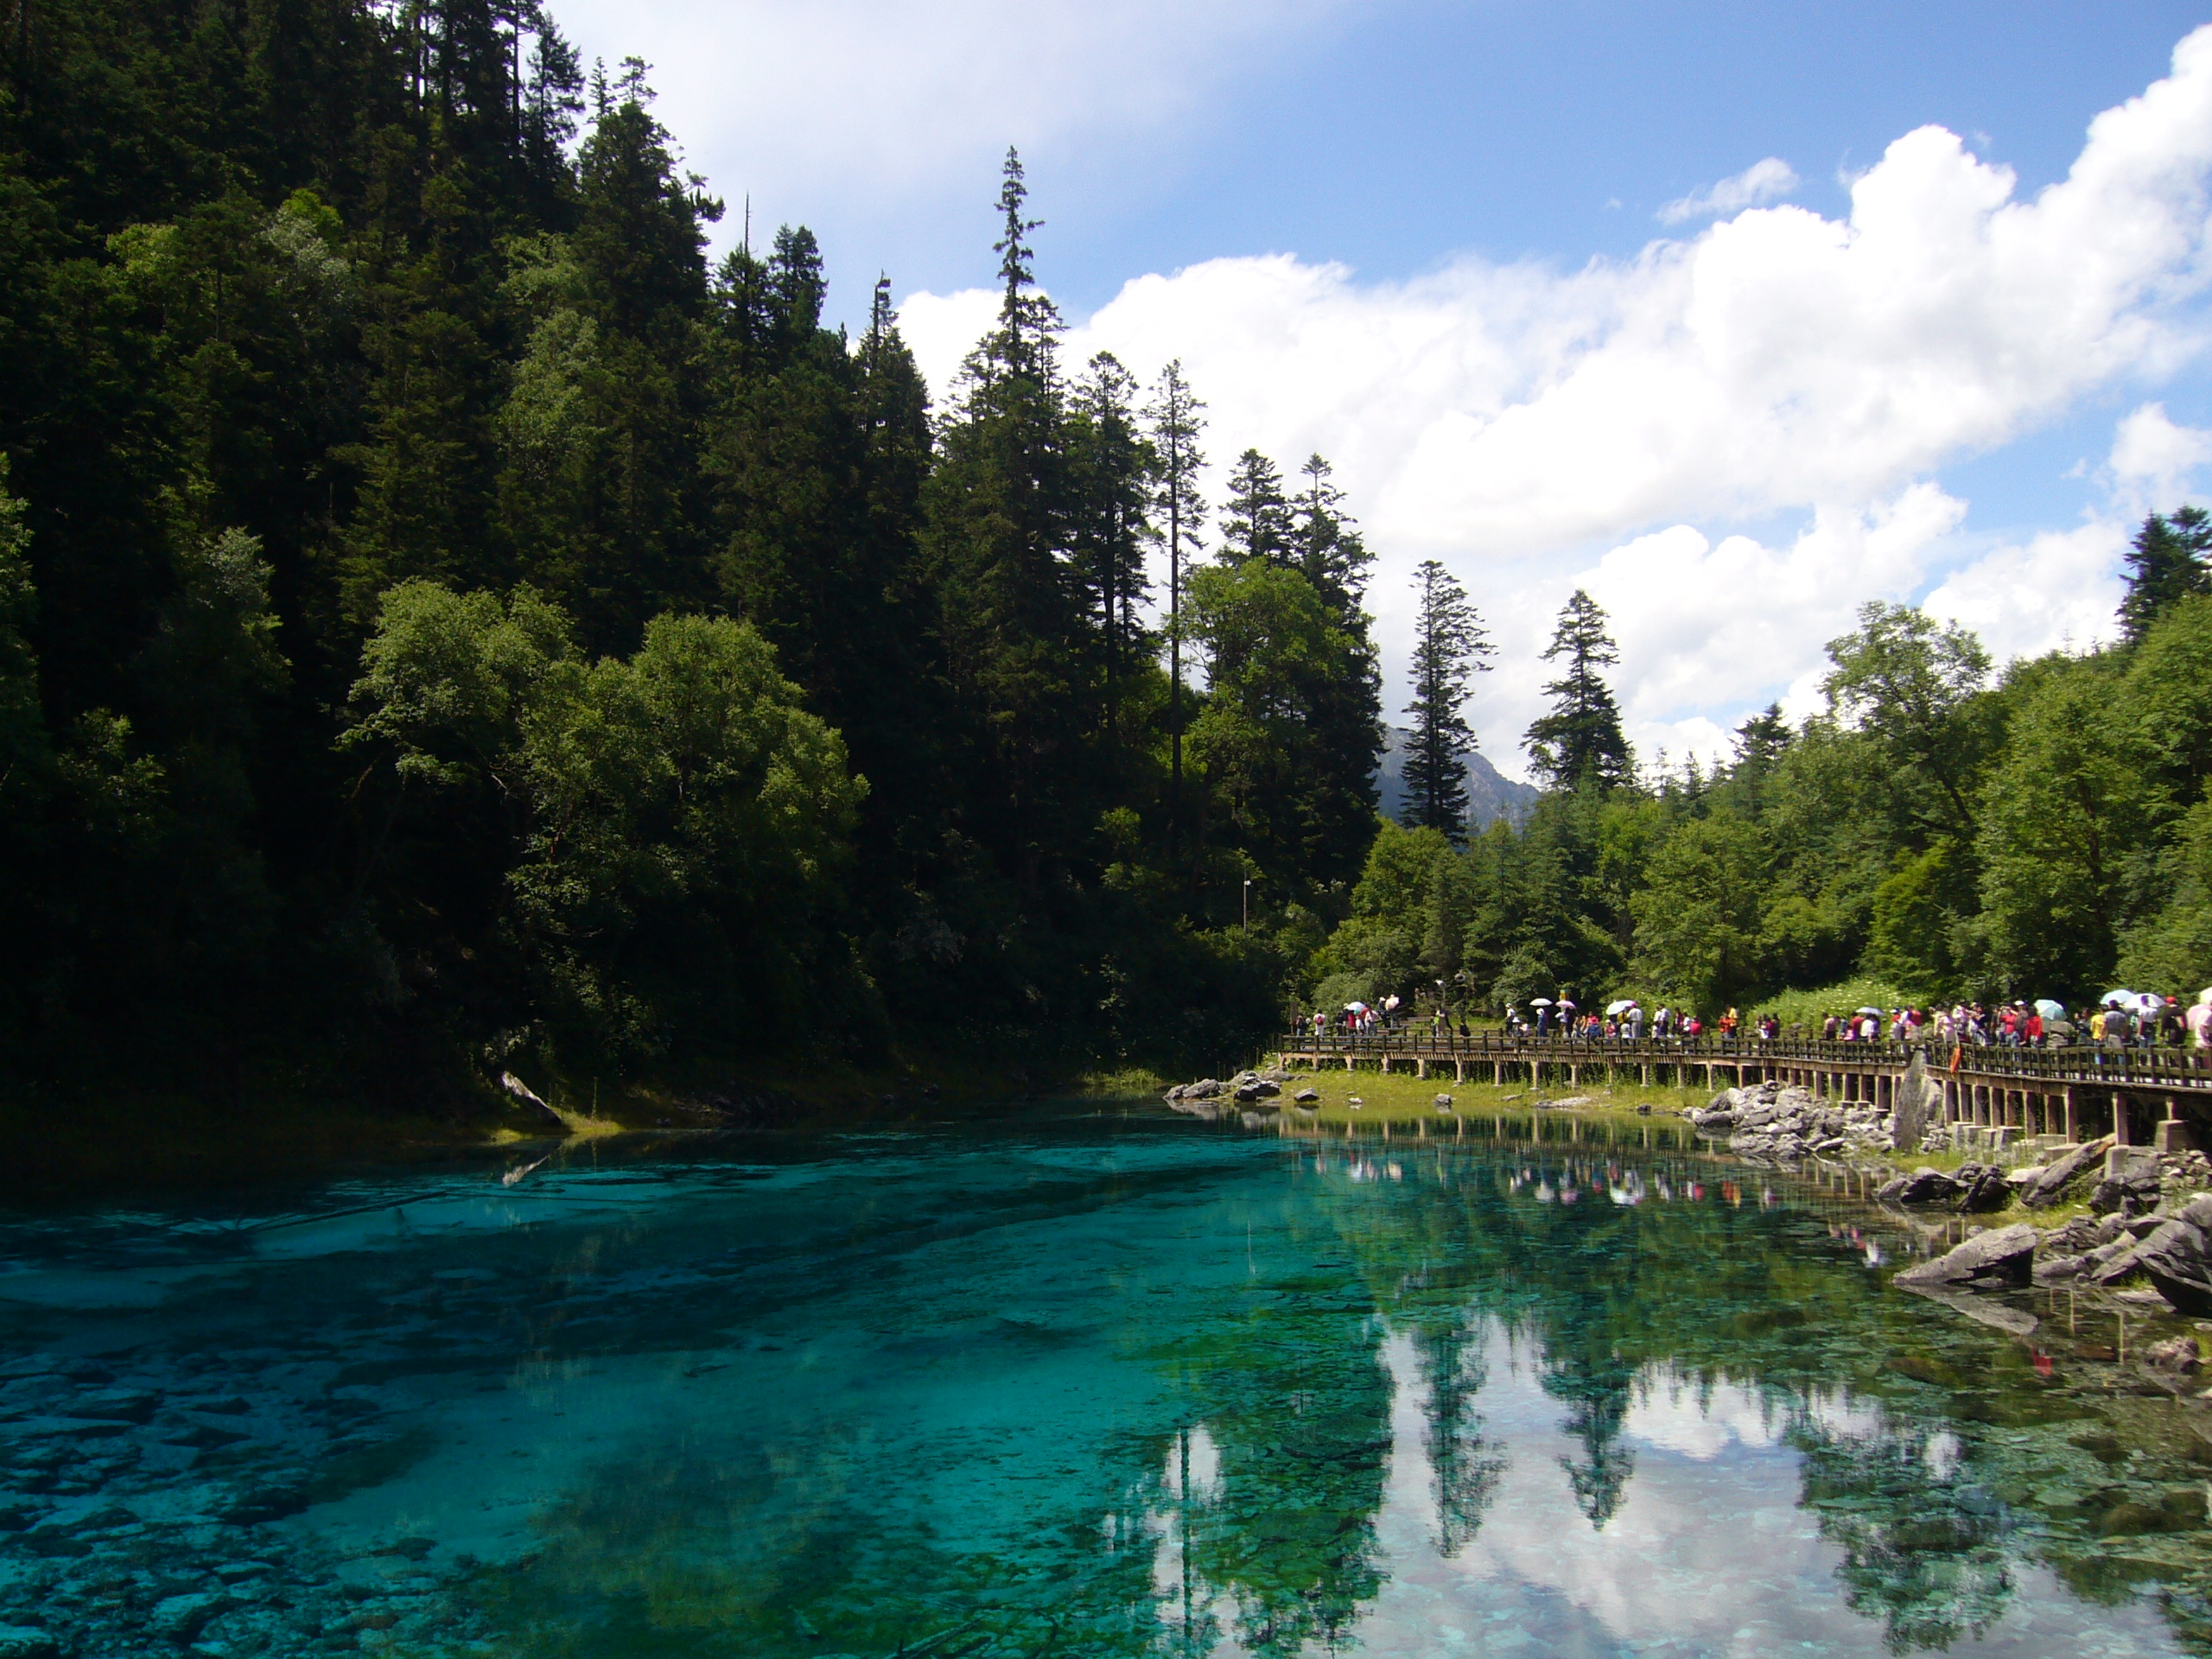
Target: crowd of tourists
x=2122 y=1019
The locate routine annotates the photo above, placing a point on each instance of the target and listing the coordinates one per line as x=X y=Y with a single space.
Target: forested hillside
x=444 y=618
x=1941 y=828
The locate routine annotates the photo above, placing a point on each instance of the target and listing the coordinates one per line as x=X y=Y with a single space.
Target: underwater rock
x=179 y=1617
x=258 y=1503
x=21 y=1642
x=2180 y=1355
x=2049 y=1267
x=2007 y=1253
x=2013 y=1321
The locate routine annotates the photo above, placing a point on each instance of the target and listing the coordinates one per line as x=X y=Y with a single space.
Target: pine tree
x=1449 y=645
x=1580 y=740
x=1321 y=542
x=998 y=536
x=1110 y=467
x=1325 y=543
x=1177 y=419
x=1256 y=519
x=2166 y=561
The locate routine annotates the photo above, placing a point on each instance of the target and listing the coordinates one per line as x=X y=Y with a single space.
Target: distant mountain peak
x=1490 y=794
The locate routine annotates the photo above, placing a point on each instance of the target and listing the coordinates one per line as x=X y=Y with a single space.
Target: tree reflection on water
x=1413 y=1393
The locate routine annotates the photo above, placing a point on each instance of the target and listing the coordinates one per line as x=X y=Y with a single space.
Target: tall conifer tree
x=999 y=524
x=1580 y=740
x=1111 y=467
x=1256 y=518
x=1177 y=418
x=1449 y=645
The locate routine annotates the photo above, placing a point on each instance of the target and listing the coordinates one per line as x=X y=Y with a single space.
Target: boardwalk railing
x=2068 y=1090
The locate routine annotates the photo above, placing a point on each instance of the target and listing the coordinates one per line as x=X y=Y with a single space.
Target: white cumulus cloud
x=1777 y=360
x=875 y=99
x=1762 y=181
x=1541 y=429
x=2154 y=460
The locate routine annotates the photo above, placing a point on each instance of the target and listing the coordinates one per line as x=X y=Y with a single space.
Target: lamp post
x=1247 y=904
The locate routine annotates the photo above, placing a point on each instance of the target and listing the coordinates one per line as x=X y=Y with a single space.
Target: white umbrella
x=1870 y=1011
x=2111 y=998
x=2205 y=996
x=1355 y=1007
x=2049 y=1009
x=1564 y=1003
x=2149 y=1003
x=1621 y=1007
x=1540 y=1001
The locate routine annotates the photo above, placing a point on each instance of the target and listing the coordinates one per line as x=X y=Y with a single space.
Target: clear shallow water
x=1094 y=1385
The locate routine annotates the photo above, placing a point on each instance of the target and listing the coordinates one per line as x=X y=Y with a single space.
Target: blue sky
x=1472 y=285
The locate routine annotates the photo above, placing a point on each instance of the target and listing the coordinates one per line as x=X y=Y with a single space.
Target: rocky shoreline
x=2145 y=1240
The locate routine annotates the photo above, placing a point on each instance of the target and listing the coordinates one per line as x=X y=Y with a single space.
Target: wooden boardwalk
x=2135 y=1095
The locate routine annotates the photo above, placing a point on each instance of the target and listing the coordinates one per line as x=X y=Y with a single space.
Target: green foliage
x=1808 y=1008
x=1283 y=790
x=1698 y=919
x=1930 y=836
x=2064 y=837
x=2166 y=563
x=679 y=827
x=1911 y=685
x=1580 y=740
x=436 y=614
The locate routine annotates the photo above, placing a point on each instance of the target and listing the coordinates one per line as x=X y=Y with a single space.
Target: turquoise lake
x=1076 y=1382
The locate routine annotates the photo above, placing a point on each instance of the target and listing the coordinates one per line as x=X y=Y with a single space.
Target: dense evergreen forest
x=444 y=617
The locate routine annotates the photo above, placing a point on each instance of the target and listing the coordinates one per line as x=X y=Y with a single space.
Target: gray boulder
x=1981 y=1187
x=1926 y=1185
x=2004 y=1252
x=2131 y=1176
x=2179 y=1266
x=1919 y=1101
x=2197 y=1212
x=2054 y=1179
x=2111 y=1261
x=1307 y=1097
